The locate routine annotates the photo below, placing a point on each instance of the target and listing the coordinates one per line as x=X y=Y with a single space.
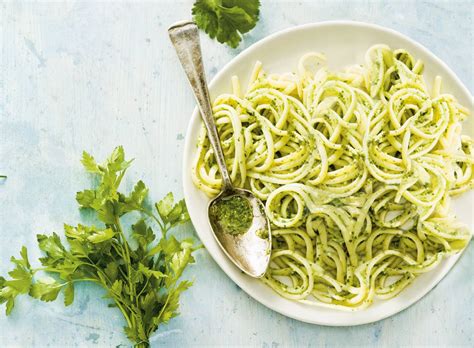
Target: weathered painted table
x=77 y=76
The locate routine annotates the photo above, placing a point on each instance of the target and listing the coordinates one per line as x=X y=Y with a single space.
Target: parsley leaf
x=69 y=294
x=171 y=213
x=142 y=281
x=226 y=20
x=46 y=289
x=89 y=163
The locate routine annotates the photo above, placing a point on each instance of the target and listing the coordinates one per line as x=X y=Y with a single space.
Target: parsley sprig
x=140 y=273
x=226 y=20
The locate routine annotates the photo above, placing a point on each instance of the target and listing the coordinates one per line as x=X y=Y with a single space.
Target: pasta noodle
x=356 y=169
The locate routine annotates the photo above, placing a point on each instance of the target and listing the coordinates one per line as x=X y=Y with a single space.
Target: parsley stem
x=107 y=283
x=124 y=245
x=120 y=177
x=82 y=279
x=55 y=270
x=117 y=300
x=151 y=215
x=105 y=280
x=143 y=288
x=122 y=272
x=167 y=299
x=117 y=250
x=124 y=312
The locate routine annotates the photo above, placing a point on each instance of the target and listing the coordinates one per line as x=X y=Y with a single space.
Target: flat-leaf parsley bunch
x=140 y=274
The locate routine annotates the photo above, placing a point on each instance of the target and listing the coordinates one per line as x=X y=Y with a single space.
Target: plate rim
x=221 y=262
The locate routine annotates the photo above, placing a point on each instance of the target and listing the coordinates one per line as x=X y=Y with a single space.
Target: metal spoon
x=250 y=250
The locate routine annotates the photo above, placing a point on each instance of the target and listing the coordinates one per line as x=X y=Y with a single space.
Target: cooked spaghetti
x=356 y=169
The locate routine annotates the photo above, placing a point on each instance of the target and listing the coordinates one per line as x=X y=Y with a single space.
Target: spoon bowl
x=250 y=250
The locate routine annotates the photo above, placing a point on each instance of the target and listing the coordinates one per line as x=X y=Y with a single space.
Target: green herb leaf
x=172 y=213
x=206 y=17
x=117 y=287
x=46 y=289
x=51 y=245
x=181 y=259
x=108 y=212
x=89 y=163
x=172 y=307
x=142 y=234
x=101 y=235
x=20 y=282
x=111 y=271
x=86 y=198
x=69 y=294
x=9 y=307
x=165 y=206
x=116 y=161
x=150 y=272
x=226 y=20
x=138 y=194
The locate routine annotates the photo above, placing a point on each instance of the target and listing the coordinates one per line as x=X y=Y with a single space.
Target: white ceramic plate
x=344 y=43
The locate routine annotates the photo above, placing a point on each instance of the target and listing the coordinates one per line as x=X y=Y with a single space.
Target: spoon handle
x=185 y=39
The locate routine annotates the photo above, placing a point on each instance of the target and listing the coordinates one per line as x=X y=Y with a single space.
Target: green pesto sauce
x=262 y=233
x=232 y=214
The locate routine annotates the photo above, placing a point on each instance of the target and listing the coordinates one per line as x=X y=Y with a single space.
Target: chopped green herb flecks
x=232 y=215
x=262 y=233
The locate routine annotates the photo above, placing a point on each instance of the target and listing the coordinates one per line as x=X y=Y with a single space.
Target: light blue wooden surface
x=90 y=76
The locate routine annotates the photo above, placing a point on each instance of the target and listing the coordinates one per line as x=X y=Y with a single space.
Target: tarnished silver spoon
x=236 y=216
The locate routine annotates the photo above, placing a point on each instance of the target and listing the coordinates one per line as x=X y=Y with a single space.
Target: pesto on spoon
x=232 y=214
